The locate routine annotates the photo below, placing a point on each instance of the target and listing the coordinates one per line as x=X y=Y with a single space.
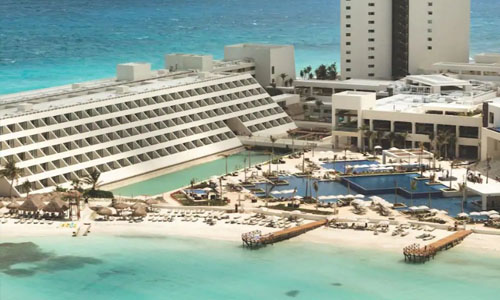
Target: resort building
x=140 y=121
x=485 y=67
x=383 y=39
x=491 y=130
x=423 y=107
x=265 y=62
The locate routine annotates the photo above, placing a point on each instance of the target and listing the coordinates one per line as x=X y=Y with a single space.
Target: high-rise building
x=140 y=121
x=392 y=38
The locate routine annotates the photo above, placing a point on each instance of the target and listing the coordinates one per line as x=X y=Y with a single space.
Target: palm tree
x=283 y=76
x=462 y=187
x=391 y=136
x=11 y=172
x=331 y=71
x=311 y=76
x=379 y=135
x=192 y=182
x=401 y=139
x=273 y=140
x=290 y=82
x=452 y=141
x=319 y=103
x=440 y=141
x=316 y=188
x=363 y=129
x=26 y=186
x=321 y=72
x=302 y=73
x=370 y=135
x=76 y=184
x=92 y=179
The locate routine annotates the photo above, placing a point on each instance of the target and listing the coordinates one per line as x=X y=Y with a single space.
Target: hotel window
x=371 y=57
x=429 y=3
x=371 y=30
x=429 y=21
x=348 y=43
x=272 y=70
x=492 y=117
x=348 y=34
x=348 y=52
x=371 y=66
x=371 y=4
x=371 y=48
x=429 y=39
x=371 y=13
x=348 y=25
x=429 y=13
x=347 y=60
x=429 y=30
x=429 y=47
x=371 y=40
x=348 y=70
x=348 y=7
x=371 y=22
x=348 y=16
x=371 y=74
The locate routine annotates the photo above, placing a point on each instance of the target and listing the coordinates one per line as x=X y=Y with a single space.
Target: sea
x=154 y=267
x=54 y=42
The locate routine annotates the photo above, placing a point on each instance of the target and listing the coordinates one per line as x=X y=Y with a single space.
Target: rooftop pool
x=340 y=166
x=378 y=184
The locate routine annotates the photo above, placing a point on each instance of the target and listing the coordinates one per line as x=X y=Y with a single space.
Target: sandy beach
x=486 y=244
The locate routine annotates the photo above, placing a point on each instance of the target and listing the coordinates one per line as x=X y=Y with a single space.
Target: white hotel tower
x=140 y=121
x=383 y=39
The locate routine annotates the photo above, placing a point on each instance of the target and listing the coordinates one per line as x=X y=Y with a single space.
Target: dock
x=256 y=239
x=417 y=254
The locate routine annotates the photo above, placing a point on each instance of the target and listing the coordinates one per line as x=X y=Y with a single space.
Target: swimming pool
x=326 y=188
x=378 y=184
x=340 y=165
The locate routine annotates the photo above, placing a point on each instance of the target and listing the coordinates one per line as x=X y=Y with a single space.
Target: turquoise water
x=47 y=43
x=175 y=268
x=340 y=166
x=178 y=179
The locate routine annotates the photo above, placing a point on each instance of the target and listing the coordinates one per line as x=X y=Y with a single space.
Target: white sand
x=486 y=244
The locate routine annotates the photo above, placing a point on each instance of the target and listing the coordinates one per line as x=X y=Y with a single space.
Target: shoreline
x=345 y=238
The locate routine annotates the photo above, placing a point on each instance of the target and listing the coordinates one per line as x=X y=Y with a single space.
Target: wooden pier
x=417 y=254
x=256 y=239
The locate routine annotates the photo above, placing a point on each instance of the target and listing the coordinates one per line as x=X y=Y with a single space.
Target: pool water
x=178 y=179
x=341 y=166
x=327 y=188
x=383 y=183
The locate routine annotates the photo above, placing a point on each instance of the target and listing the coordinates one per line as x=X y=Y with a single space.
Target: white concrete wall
x=449 y=26
x=179 y=62
x=281 y=57
x=133 y=71
x=359 y=36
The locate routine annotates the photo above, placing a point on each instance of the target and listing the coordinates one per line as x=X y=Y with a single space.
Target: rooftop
x=437 y=80
x=12 y=105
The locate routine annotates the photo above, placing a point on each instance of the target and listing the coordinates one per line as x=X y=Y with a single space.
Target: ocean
x=98 y=267
x=54 y=42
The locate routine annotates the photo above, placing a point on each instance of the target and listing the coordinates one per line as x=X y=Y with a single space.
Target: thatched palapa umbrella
x=32 y=204
x=120 y=205
x=137 y=205
x=152 y=202
x=104 y=211
x=56 y=205
x=13 y=205
x=139 y=212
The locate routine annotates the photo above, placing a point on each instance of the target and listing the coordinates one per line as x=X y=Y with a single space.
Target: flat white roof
x=437 y=80
x=420 y=103
x=67 y=95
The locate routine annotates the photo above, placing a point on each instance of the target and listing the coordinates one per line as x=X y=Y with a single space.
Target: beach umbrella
x=475 y=214
x=297 y=197
x=377 y=147
x=32 y=204
x=484 y=213
x=276 y=192
x=443 y=212
x=121 y=205
x=493 y=212
x=413 y=208
x=56 y=205
x=152 y=202
x=137 y=205
x=139 y=212
x=104 y=211
x=495 y=217
x=423 y=207
x=359 y=196
x=13 y=205
x=462 y=215
x=433 y=210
